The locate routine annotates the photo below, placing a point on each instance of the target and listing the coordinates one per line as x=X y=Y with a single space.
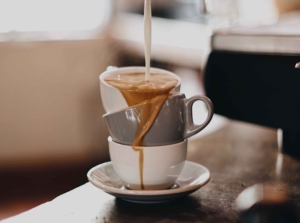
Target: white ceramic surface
x=111 y=97
x=162 y=164
x=173 y=124
x=192 y=178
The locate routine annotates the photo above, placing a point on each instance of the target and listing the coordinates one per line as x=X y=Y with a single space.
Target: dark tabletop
x=238 y=156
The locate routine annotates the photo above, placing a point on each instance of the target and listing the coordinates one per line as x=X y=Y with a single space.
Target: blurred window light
x=51 y=15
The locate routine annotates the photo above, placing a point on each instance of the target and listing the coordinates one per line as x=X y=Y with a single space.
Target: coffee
x=136 y=90
x=152 y=94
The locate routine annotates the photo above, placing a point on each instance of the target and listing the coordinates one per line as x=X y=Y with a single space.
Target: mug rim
x=110 y=140
x=137 y=69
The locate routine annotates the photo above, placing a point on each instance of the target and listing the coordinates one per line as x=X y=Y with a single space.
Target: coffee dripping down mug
x=112 y=98
x=149 y=123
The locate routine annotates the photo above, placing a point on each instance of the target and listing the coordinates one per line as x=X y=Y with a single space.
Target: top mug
x=113 y=99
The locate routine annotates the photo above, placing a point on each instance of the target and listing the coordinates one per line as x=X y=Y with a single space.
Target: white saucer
x=192 y=177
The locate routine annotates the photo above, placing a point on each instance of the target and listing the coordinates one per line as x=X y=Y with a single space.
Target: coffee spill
x=151 y=95
x=147 y=36
x=141 y=166
x=136 y=90
x=147 y=114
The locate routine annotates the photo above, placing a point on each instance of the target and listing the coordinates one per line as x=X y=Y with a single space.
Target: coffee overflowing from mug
x=151 y=93
x=136 y=90
x=123 y=87
x=143 y=114
x=142 y=111
x=112 y=98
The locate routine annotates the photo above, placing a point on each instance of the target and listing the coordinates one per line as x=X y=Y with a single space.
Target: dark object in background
x=271 y=213
x=191 y=11
x=259 y=88
x=266 y=204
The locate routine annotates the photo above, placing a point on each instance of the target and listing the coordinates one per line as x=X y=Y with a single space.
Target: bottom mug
x=149 y=168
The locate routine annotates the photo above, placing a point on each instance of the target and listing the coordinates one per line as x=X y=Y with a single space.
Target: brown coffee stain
x=147 y=113
x=150 y=95
x=141 y=166
x=136 y=90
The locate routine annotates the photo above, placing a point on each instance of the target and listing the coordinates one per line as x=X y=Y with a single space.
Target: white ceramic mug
x=173 y=124
x=111 y=97
x=161 y=167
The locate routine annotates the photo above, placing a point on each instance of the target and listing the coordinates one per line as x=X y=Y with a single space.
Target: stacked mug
x=162 y=154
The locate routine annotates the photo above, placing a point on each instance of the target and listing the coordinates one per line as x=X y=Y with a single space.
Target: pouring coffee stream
x=151 y=94
x=147 y=116
x=141 y=88
x=147 y=38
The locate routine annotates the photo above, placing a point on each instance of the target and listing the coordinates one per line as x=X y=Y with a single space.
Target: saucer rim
x=141 y=193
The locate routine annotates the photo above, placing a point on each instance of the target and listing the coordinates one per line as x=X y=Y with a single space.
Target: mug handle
x=190 y=127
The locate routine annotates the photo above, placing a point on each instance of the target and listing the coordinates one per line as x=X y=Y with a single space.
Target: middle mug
x=173 y=124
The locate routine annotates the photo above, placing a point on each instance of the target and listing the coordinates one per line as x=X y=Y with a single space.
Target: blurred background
x=51 y=54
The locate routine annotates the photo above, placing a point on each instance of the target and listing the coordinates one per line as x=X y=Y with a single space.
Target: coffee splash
x=147 y=113
x=143 y=88
x=150 y=95
x=136 y=90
